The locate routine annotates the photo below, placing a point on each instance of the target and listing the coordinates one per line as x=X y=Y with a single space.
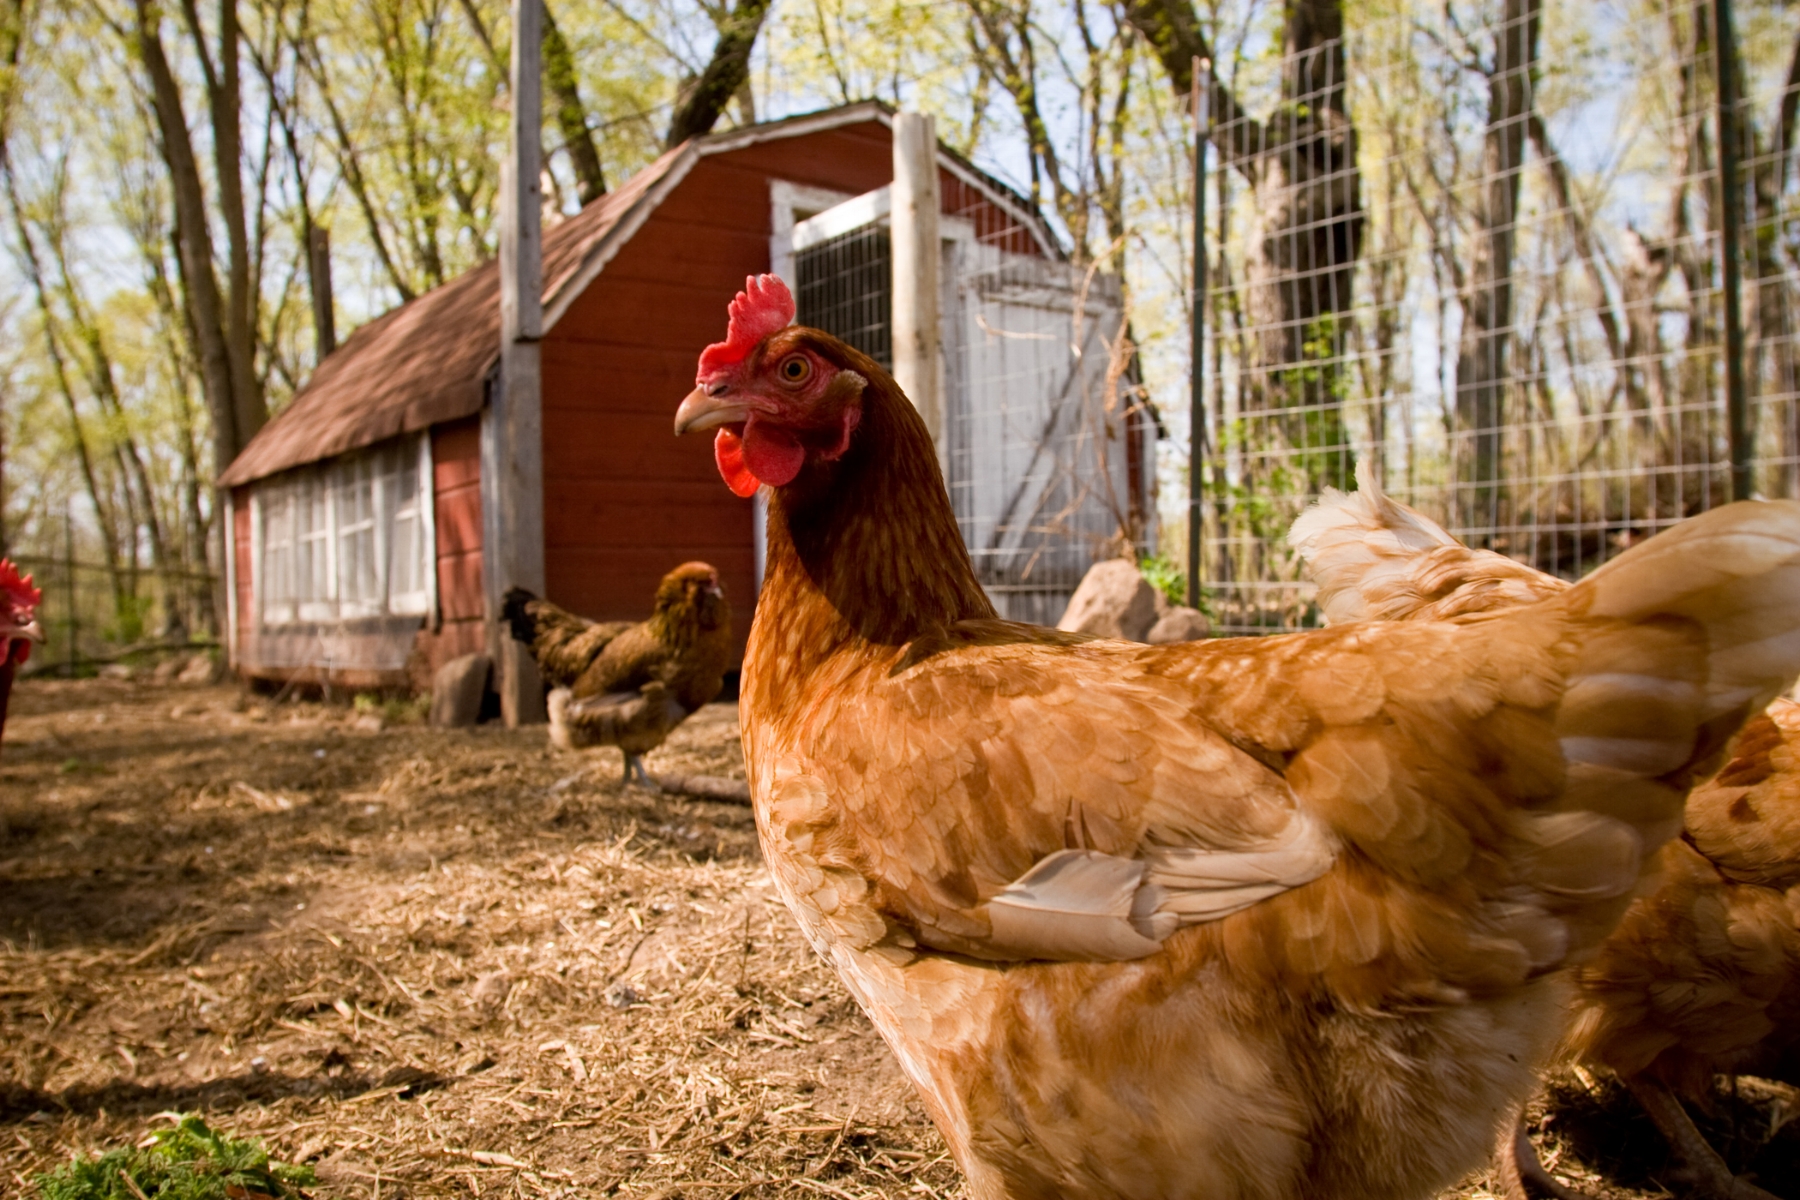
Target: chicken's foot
x=1700 y=1165
x=1522 y=1173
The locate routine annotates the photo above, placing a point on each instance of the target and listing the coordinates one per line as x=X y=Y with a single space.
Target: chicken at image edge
x=1273 y=917
x=19 y=627
x=1702 y=977
x=615 y=683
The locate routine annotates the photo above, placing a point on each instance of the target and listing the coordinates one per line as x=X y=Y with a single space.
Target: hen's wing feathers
x=1468 y=801
x=629 y=661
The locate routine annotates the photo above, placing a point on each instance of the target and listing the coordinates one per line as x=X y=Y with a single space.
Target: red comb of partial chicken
x=21 y=597
x=763 y=307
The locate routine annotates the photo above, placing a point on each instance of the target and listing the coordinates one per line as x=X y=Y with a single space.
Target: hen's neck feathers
x=864 y=553
x=8 y=667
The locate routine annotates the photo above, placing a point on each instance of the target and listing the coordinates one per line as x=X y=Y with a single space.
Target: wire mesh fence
x=1044 y=454
x=1483 y=249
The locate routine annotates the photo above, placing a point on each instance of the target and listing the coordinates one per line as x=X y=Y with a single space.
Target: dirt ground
x=460 y=963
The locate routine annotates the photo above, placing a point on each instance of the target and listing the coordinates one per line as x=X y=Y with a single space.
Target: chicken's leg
x=1522 y=1174
x=1701 y=1165
x=634 y=769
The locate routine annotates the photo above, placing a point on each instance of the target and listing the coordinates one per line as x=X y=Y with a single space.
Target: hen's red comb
x=762 y=308
x=19 y=595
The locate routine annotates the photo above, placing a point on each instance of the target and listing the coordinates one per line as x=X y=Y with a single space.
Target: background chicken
x=19 y=627
x=625 y=685
x=1271 y=917
x=1702 y=976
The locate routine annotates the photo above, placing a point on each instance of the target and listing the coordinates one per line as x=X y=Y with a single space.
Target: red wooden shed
x=356 y=515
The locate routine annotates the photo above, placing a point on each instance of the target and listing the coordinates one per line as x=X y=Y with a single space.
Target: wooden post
x=230 y=638
x=318 y=262
x=512 y=468
x=917 y=251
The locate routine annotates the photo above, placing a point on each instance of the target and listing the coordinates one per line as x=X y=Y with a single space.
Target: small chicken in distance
x=19 y=627
x=1702 y=977
x=619 y=684
x=1264 y=918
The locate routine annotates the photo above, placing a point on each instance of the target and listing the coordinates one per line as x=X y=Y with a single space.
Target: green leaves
x=189 y=1162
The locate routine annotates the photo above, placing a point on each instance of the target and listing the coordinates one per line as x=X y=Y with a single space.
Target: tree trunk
x=223 y=101
x=1488 y=304
x=1772 y=362
x=1309 y=216
x=200 y=286
x=704 y=99
x=571 y=116
x=1686 y=447
x=248 y=406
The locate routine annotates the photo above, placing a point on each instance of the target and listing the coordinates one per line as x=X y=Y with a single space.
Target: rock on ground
x=1179 y=624
x=201 y=670
x=457 y=689
x=1114 y=600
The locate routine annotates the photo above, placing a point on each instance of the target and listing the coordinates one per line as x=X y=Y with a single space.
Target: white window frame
x=789 y=204
x=327 y=600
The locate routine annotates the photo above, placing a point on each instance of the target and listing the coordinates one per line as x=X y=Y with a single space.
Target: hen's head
x=19 y=601
x=780 y=396
x=692 y=594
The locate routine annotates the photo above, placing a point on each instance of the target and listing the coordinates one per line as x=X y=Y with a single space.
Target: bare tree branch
x=704 y=99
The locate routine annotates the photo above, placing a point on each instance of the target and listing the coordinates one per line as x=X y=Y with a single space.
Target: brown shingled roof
x=427 y=361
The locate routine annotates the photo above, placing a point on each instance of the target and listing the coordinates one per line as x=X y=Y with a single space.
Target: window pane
x=358 y=583
x=406 y=560
x=314 y=586
x=276 y=502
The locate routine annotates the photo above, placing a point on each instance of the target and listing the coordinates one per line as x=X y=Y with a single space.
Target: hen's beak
x=31 y=631
x=705 y=409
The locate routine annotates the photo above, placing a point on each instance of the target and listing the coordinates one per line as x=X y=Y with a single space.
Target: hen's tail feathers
x=516 y=611
x=1376 y=559
x=1678 y=642
x=634 y=721
x=1735 y=573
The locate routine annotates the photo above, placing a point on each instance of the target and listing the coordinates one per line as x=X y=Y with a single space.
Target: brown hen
x=1702 y=976
x=629 y=685
x=1281 y=917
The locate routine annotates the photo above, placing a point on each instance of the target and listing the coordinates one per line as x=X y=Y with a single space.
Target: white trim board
x=870 y=208
x=787 y=201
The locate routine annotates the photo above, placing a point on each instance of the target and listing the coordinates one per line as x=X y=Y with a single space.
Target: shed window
x=348 y=538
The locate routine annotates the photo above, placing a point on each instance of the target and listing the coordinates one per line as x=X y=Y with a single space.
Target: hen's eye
x=795 y=369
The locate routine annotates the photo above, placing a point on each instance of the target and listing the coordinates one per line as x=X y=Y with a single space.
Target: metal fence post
x=1202 y=87
x=1731 y=210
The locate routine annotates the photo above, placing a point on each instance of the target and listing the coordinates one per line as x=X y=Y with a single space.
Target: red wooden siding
x=456 y=487
x=241 y=552
x=624 y=499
